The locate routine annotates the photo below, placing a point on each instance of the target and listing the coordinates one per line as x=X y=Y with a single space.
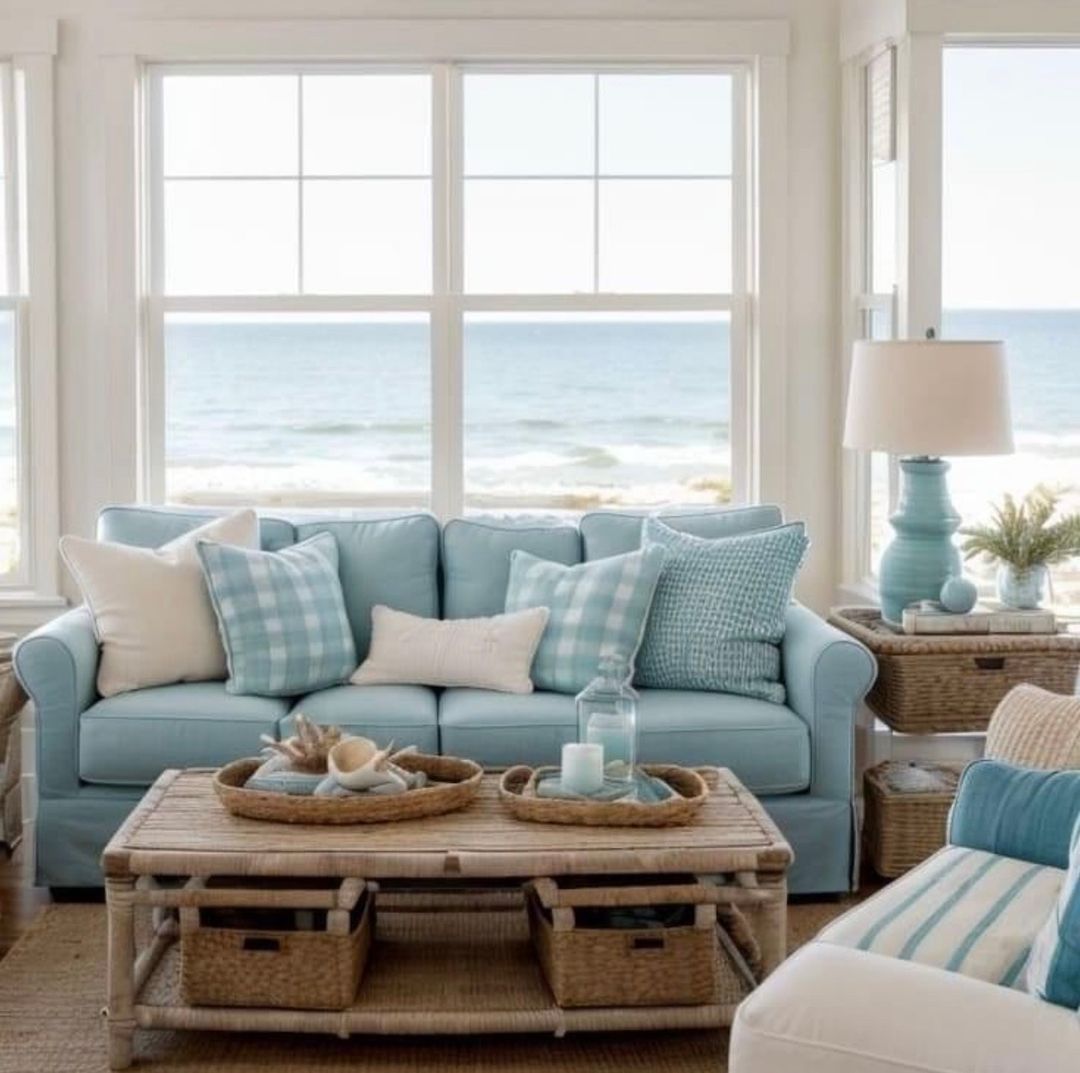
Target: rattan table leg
x=120 y=902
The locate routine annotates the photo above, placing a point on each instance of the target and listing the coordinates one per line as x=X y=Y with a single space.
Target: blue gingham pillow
x=596 y=609
x=281 y=616
x=720 y=610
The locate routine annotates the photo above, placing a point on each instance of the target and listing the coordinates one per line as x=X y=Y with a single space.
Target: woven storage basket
x=671 y=966
x=942 y=684
x=905 y=815
x=275 y=967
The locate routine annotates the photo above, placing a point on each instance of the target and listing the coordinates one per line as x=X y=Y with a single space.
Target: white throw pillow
x=484 y=653
x=151 y=608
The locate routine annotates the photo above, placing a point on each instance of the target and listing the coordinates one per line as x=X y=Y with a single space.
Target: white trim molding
x=444 y=40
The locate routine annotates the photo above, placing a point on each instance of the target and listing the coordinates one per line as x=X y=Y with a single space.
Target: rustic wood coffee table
x=480 y=979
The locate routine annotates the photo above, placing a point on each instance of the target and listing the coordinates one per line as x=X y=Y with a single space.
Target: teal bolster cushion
x=1016 y=812
x=1053 y=969
x=281 y=615
x=596 y=609
x=719 y=612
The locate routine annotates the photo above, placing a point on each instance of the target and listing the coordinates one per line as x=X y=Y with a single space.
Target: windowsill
x=23 y=610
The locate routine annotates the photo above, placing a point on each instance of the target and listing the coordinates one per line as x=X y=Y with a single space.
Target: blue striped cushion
x=597 y=608
x=1053 y=973
x=964 y=910
x=281 y=615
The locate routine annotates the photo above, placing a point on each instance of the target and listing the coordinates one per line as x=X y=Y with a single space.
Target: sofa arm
x=57 y=666
x=826 y=675
x=832 y=1009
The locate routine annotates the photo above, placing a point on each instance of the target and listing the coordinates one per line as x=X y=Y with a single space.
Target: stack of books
x=930 y=618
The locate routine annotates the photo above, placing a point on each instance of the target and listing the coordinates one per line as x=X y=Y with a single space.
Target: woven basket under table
x=942 y=684
x=696 y=964
x=907 y=809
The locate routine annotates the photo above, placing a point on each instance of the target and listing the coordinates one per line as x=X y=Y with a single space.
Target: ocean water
x=561 y=412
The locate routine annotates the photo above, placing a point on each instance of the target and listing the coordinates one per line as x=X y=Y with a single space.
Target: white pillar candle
x=582 y=768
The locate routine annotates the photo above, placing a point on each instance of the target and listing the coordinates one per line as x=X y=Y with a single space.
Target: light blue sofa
x=95 y=757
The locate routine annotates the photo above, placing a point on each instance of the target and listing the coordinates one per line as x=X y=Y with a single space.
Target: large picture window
x=447 y=286
x=1010 y=235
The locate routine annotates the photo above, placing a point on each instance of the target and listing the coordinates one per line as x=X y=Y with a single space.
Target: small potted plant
x=1024 y=539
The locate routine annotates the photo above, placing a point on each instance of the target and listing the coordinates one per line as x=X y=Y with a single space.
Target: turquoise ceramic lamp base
x=922 y=556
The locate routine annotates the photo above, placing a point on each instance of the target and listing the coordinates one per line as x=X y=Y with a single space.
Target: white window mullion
x=447 y=454
x=152 y=401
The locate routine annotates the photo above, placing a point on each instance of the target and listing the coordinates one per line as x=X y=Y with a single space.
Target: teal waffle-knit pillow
x=281 y=615
x=597 y=609
x=718 y=615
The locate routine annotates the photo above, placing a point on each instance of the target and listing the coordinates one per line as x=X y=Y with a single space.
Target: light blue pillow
x=1053 y=969
x=281 y=615
x=596 y=609
x=719 y=611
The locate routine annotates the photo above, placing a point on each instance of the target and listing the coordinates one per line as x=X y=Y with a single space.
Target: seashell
x=359 y=764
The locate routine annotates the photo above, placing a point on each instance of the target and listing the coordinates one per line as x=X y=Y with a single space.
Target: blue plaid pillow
x=596 y=609
x=281 y=615
x=720 y=610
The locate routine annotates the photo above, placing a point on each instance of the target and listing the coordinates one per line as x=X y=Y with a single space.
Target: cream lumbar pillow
x=483 y=653
x=151 y=608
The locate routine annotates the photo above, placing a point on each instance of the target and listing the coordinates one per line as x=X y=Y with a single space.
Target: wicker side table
x=12 y=700
x=907 y=807
x=952 y=683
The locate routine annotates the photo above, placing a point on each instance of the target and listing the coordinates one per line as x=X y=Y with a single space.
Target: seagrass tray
x=453 y=784
x=517 y=790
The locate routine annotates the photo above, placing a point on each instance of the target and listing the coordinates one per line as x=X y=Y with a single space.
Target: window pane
x=529 y=124
x=665 y=124
x=230 y=124
x=367 y=236
x=1011 y=230
x=528 y=236
x=9 y=448
x=574 y=412
x=665 y=236
x=231 y=237
x=367 y=124
x=297 y=409
x=883 y=224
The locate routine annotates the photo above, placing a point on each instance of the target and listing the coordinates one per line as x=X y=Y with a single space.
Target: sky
x=572 y=183
x=1011 y=236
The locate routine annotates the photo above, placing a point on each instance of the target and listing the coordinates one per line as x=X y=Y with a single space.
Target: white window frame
x=30 y=593
x=756 y=306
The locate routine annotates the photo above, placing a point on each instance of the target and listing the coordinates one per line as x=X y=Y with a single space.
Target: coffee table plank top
x=181 y=828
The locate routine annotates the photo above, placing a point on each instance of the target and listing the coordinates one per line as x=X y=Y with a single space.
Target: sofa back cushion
x=476 y=558
x=608 y=532
x=392 y=560
x=150 y=527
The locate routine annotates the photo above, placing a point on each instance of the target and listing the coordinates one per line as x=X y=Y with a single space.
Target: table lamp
x=921 y=400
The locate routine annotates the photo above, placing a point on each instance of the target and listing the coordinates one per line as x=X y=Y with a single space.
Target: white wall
x=88 y=407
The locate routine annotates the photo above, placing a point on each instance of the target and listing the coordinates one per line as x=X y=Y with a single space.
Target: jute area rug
x=52 y=990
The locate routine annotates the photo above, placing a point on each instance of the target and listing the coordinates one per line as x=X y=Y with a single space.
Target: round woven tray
x=454 y=783
x=517 y=790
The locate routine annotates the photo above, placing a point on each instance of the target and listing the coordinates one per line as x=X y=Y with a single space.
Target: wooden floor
x=20 y=902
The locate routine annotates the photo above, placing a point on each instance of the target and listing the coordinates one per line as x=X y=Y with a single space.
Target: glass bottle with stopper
x=607 y=716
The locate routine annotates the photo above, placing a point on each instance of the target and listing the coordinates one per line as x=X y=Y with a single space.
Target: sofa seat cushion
x=131 y=738
x=406 y=715
x=963 y=910
x=501 y=729
x=766 y=745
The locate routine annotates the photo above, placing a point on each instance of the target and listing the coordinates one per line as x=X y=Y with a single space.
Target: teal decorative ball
x=958 y=595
